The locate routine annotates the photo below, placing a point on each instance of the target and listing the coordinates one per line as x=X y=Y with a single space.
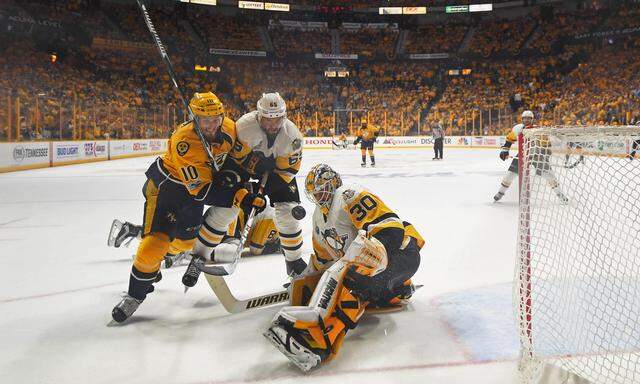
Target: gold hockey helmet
x=206 y=104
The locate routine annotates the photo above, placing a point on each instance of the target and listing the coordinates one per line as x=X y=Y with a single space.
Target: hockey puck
x=298 y=212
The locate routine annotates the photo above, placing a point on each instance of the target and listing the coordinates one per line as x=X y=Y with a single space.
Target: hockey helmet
x=527 y=113
x=272 y=105
x=206 y=104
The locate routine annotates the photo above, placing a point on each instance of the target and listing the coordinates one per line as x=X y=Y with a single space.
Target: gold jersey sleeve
x=240 y=151
x=187 y=161
x=371 y=214
x=288 y=166
x=368 y=212
x=512 y=136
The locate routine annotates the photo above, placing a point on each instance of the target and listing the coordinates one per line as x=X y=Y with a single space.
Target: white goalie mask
x=272 y=110
x=527 y=115
x=320 y=185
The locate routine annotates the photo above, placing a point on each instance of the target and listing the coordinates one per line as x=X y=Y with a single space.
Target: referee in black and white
x=438 y=139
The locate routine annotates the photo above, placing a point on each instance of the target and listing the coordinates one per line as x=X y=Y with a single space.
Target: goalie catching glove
x=310 y=335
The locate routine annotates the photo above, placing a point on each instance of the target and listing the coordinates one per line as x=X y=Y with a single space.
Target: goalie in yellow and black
x=179 y=183
x=364 y=256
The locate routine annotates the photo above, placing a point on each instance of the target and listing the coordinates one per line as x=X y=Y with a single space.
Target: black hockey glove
x=257 y=163
x=504 y=154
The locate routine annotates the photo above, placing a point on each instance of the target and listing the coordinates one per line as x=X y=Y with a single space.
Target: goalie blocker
x=364 y=256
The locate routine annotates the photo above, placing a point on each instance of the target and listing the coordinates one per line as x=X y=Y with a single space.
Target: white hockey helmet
x=271 y=105
x=527 y=113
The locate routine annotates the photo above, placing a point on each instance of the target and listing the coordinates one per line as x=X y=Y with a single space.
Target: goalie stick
x=227 y=269
x=165 y=58
x=234 y=305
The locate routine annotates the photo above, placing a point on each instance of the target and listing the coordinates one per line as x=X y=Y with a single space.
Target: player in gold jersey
x=179 y=184
x=366 y=136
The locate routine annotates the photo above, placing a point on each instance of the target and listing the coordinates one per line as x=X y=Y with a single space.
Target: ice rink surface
x=60 y=281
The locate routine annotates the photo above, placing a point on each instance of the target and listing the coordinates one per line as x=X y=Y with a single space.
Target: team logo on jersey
x=194 y=184
x=182 y=148
x=348 y=194
x=171 y=217
x=335 y=241
x=296 y=144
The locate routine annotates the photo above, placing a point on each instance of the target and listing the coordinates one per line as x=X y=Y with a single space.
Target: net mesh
x=577 y=290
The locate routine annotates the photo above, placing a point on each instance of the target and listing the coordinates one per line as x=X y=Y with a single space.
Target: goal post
x=577 y=276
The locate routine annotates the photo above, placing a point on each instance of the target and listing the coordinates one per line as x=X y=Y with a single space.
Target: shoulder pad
x=229 y=127
x=348 y=192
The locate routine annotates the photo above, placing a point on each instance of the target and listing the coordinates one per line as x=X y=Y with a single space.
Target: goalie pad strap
x=325 y=333
x=346 y=320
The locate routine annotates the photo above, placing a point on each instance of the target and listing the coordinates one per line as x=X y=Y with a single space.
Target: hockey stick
x=165 y=58
x=234 y=305
x=227 y=269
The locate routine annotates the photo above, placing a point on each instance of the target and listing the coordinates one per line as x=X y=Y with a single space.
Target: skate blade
x=113 y=232
x=113 y=323
x=275 y=340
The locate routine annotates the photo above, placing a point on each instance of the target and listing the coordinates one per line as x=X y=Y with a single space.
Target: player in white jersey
x=364 y=256
x=266 y=142
x=541 y=161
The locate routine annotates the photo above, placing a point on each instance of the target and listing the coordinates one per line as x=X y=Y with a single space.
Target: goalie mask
x=272 y=110
x=321 y=184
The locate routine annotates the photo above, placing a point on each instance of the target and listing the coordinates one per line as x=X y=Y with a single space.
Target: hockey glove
x=504 y=154
x=246 y=200
x=257 y=163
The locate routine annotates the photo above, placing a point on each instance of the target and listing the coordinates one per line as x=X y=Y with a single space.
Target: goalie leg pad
x=302 y=288
x=295 y=349
x=319 y=328
x=214 y=228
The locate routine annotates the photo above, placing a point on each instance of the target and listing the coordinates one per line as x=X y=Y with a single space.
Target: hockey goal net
x=577 y=283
